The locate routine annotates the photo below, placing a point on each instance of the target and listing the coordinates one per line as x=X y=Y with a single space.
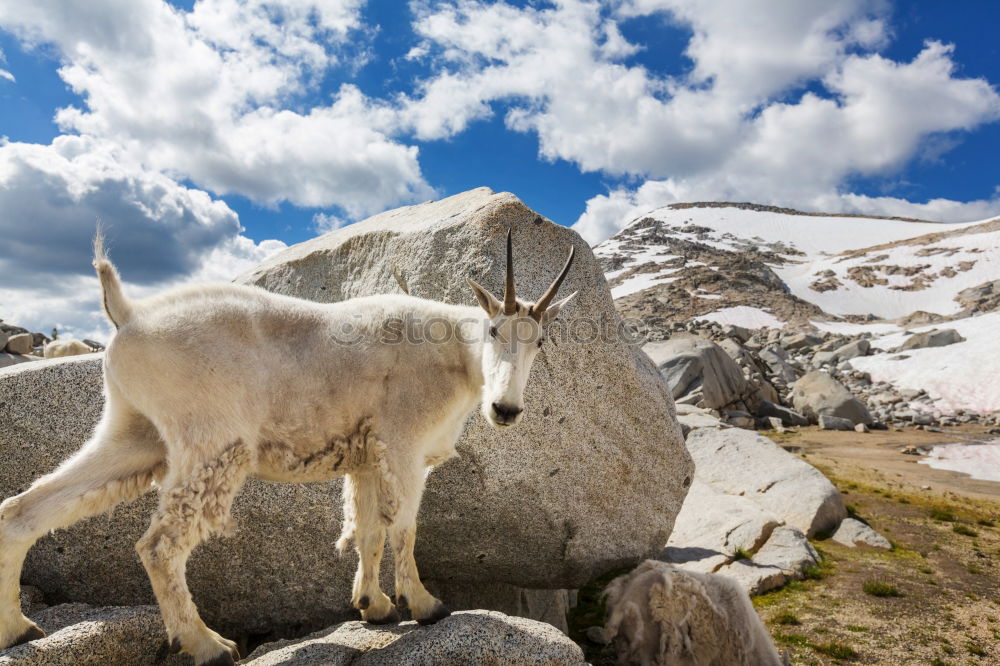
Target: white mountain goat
x=60 y=348
x=206 y=386
x=659 y=615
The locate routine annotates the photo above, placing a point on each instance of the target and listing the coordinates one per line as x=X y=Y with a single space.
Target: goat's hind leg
x=197 y=496
x=119 y=463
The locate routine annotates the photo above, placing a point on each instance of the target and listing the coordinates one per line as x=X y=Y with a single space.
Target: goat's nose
x=506 y=413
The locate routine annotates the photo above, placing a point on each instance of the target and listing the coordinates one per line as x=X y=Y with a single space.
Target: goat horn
x=509 y=300
x=538 y=308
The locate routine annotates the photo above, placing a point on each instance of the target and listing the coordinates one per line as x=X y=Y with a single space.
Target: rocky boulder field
x=663 y=436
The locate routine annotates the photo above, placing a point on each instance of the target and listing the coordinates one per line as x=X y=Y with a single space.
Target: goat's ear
x=487 y=300
x=553 y=310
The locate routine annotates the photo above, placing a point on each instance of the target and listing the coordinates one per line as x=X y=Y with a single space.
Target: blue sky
x=207 y=135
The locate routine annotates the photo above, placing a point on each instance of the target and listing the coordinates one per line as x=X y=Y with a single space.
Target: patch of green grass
x=836 y=650
x=903 y=500
x=925 y=570
x=880 y=588
x=742 y=554
x=786 y=617
x=941 y=513
x=973 y=569
x=964 y=530
x=985 y=522
x=857 y=628
x=798 y=640
x=816 y=572
x=938 y=661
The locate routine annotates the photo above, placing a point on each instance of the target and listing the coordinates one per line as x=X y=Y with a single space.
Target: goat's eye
x=493 y=331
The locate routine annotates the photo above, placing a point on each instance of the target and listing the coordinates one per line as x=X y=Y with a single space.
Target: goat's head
x=515 y=334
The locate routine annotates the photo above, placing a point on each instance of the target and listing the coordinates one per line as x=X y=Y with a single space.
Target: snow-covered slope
x=759 y=266
x=965 y=375
x=845 y=265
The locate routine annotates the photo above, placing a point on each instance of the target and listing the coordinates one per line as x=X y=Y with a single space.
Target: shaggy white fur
x=659 y=615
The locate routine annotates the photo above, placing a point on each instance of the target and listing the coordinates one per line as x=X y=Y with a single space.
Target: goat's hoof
x=364 y=602
x=229 y=657
x=224 y=659
x=392 y=617
x=439 y=612
x=33 y=633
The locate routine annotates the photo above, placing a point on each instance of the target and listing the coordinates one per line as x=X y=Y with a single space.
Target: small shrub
x=925 y=570
x=741 y=554
x=814 y=572
x=786 y=617
x=836 y=650
x=881 y=588
x=976 y=649
x=964 y=530
x=941 y=513
x=986 y=523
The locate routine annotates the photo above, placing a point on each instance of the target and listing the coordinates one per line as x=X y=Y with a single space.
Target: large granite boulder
x=473 y=637
x=22 y=343
x=591 y=479
x=933 y=338
x=693 y=366
x=82 y=635
x=713 y=526
x=743 y=463
x=817 y=393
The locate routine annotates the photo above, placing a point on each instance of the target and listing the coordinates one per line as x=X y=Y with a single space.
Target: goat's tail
x=116 y=305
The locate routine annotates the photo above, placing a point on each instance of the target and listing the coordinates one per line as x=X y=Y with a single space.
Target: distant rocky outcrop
x=932 y=338
x=19 y=345
x=818 y=394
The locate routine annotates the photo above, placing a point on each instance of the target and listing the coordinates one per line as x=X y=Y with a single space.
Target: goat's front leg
x=410 y=592
x=366 y=517
x=195 y=503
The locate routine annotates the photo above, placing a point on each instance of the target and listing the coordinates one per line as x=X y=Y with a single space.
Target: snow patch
x=980 y=461
x=965 y=375
x=743 y=315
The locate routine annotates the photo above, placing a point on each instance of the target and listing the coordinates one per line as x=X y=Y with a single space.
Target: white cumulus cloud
x=159 y=232
x=782 y=103
x=217 y=96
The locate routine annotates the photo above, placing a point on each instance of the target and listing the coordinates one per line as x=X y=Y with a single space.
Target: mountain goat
x=659 y=615
x=60 y=348
x=206 y=386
